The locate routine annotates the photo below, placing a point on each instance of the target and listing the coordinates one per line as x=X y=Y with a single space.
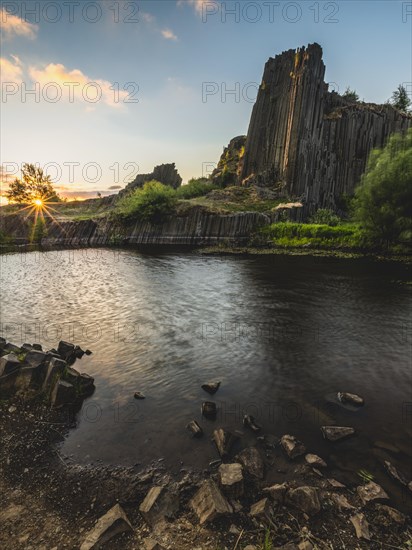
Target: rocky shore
x=51 y=503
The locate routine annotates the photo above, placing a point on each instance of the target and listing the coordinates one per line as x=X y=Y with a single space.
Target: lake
x=282 y=333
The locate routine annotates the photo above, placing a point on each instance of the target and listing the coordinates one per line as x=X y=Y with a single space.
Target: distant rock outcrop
x=306 y=142
x=165 y=173
x=229 y=167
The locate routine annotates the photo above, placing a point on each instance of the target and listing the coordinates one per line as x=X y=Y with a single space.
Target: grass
x=288 y=234
x=235 y=199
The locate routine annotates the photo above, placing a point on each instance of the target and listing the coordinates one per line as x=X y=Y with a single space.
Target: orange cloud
x=14 y=25
x=9 y=71
x=76 y=86
x=168 y=34
x=197 y=4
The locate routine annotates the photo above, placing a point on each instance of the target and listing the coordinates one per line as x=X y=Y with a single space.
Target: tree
x=350 y=95
x=383 y=200
x=33 y=184
x=400 y=99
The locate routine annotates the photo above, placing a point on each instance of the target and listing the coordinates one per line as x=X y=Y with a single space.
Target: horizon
x=180 y=100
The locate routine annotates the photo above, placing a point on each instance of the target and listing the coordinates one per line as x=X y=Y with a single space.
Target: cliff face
x=196 y=228
x=309 y=142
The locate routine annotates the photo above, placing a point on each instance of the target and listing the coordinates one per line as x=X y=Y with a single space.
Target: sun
x=38 y=203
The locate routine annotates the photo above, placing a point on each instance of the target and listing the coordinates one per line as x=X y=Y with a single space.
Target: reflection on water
x=283 y=334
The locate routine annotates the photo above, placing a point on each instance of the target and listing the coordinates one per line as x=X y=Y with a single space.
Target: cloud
x=197 y=4
x=148 y=17
x=14 y=25
x=115 y=187
x=76 y=85
x=168 y=34
x=9 y=71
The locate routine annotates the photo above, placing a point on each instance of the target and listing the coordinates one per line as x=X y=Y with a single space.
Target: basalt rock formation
x=306 y=142
x=230 y=165
x=165 y=173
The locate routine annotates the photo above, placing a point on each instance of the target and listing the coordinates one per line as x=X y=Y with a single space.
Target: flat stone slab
x=361 y=526
x=209 y=503
x=371 y=491
x=158 y=504
x=335 y=433
x=108 y=526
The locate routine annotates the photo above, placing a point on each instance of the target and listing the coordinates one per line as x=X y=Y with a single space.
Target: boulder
x=55 y=369
x=194 y=427
x=2 y=342
x=38 y=347
x=65 y=349
x=224 y=441
x=292 y=446
x=209 y=409
x=361 y=526
x=209 y=503
x=315 y=461
x=108 y=526
x=334 y=433
x=261 y=510
x=158 y=504
x=277 y=492
x=11 y=348
x=62 y=394
x=351 y=398
x=252 y=462
x=304 y=499
x=231 y=480
x=9 y=363
x=371 y=491
x=211 y=387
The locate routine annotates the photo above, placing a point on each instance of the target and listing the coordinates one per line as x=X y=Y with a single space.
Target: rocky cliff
x=165 y=173
x=307 y=142
x=196 y=227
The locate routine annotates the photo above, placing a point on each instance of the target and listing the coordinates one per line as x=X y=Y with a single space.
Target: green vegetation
x=400 y=99
x=350 y=95
x=288 y=234
x=34 y=184
x=153 y=202
x=196 y=187
x=324 y=216
x=382 y=203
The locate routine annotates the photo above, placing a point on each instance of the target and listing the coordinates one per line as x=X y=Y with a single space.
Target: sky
x=119 y=86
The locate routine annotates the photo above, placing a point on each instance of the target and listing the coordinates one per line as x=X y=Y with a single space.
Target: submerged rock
x=139 y=395
x=209 y=409
x=334 y=433
x=211 y=387
x=108 y=526
x=249 y=421
x=224 y=441
x=252 y=462
x=315 y=460
x=351 y=398
x=194 y=427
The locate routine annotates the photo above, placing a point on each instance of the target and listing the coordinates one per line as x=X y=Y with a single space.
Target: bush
x=154 y=202
x=325 y=216
x=196 y=187
x=382 y=201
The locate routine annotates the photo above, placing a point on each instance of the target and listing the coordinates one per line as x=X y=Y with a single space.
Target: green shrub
x=196 y=187
x=325 y=216
x=382 y=201
x=323 y=236
x=153 y=202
